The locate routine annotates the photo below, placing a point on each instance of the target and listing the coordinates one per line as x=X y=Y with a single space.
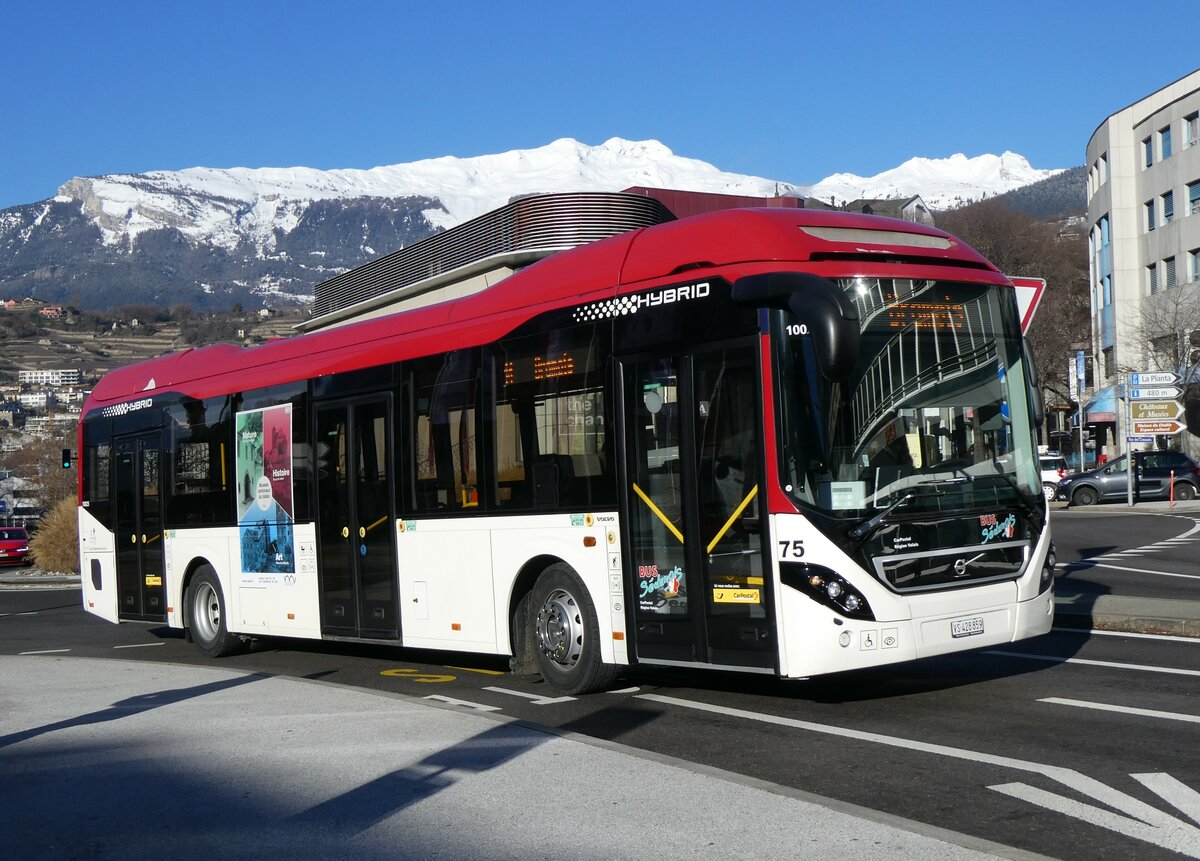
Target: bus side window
x=443 y=430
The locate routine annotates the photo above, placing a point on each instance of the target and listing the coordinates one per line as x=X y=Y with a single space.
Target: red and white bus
x=766 y=440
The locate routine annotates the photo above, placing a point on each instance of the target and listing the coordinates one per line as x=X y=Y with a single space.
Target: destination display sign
x=1156 y=393
x=1153 y=378
x=1160 y=410
x=1156 y=427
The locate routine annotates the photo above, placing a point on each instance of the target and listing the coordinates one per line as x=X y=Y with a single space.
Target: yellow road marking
x=474 y=670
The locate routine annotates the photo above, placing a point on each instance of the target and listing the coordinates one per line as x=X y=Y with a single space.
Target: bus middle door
x=355 y=521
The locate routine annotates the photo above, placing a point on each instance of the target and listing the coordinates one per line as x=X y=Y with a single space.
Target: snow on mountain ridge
x=225 y=206
x=941 y=183
x=230 y=206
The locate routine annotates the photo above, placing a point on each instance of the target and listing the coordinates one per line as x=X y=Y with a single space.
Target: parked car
x=1154 y=472
x=1054 y=469
x=14 y=546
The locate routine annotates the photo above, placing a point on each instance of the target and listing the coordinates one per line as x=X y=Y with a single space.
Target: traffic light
x=66 y=458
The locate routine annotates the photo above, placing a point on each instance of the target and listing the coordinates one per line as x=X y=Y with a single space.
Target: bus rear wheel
x=1184 y=491
x=566 y=635
x=206 y=615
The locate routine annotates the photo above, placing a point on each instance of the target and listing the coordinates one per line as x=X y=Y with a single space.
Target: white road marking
x=1086 y=564
x=1149 y=825
x=633 y=690
x=536 y=699
x=1096 y=632
x=479 y=707
x=1129 y=710
x=1054 y=659
x=139 y=645
x=1172 y=791
x=45 y=652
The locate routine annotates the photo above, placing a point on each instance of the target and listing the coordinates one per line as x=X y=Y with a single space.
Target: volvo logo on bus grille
x=624 y=305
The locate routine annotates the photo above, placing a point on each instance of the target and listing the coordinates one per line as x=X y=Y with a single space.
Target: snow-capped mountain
x=210 y=236
x=226 y=207
x=943 y=183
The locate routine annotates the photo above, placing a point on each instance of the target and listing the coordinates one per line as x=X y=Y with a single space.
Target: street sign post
x=1167 y=428
x=1154 y=392
x=1153 y=378
x=1159 y=410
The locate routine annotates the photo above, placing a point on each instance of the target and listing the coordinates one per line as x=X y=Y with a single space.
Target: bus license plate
x=966 y=627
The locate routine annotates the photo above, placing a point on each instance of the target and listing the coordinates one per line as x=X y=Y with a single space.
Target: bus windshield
x=935 y=416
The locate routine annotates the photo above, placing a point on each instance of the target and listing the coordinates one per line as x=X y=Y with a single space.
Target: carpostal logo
x=128 y=407
x=624 y=305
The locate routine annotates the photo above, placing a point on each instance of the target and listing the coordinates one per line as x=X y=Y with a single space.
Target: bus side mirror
x=1034 y=379
x=817 y=304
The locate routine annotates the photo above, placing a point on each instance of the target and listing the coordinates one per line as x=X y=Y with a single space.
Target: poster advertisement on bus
x=264 y=495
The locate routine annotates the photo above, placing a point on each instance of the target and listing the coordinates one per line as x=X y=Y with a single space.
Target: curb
x=1128 y=623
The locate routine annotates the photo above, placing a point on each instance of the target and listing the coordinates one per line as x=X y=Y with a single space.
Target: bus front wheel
x=206 y=615
x=566 y=635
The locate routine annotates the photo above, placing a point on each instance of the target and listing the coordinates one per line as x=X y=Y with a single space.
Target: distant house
x=10 y=304
x=910 y=209
x=51 y=312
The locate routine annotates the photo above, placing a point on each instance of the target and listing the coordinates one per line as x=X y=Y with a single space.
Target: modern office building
x=1143 y=192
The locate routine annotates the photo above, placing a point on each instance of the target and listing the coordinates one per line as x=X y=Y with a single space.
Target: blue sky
x=792 y=91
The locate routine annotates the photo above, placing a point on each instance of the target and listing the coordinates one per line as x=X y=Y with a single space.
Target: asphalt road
x=1044 y=746
x=1147 y=555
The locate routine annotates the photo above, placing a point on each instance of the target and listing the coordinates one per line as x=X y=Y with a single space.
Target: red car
x=14 y=546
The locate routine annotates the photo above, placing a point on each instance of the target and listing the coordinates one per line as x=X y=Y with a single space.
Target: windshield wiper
x=867 y=526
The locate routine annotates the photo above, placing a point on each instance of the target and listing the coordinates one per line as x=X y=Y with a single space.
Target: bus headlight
x=827 y=587
x=1047 y=581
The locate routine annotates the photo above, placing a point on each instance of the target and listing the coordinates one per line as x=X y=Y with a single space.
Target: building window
x=1109 y=366
x=1194 y=264
x=1152 y=278
x=1169 y=272
x=1191 y=129
x=1147 y=152
x=1164 y=143
x=1193 y=197
x=1149 y=207
x=1168 y=207
x=1103 y=168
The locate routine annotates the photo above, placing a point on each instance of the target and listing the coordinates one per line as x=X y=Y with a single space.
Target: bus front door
x=355 y=521
x=138 y=511
x=693 y=431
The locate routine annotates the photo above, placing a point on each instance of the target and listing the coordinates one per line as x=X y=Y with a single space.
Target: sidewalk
x=124 y=759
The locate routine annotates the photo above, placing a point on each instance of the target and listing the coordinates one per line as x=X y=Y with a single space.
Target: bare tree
x=1168 y=328
x=1019 y=244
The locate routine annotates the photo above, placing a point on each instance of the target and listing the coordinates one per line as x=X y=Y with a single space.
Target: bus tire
x=566 y=635
x=206 y=615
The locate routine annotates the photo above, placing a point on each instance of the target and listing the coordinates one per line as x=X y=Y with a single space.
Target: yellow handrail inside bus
x=737 y=511
x=658 y=512
x=377 y=522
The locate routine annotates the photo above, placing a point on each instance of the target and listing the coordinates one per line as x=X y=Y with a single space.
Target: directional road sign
x=1153 y=379
x=1156 y=427
x=1160 y=410
x=1158 y=393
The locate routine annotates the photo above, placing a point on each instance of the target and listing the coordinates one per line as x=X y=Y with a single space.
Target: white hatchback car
x=1054 y=468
